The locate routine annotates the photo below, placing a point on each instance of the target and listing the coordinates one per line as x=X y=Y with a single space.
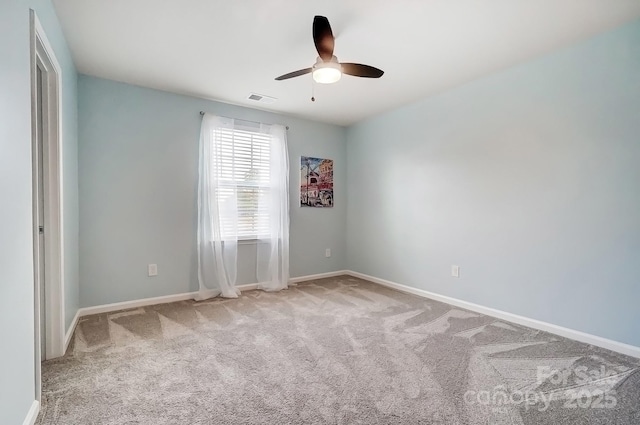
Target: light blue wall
x=138 y=182
x=17 y=390
x=529 y=180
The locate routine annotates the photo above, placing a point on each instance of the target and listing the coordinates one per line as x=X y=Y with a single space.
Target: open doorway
x=47 y=200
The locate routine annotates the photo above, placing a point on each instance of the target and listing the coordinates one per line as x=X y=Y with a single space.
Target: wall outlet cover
x=455 y=271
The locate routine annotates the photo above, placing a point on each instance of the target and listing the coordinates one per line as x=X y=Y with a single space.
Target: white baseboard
x=107 y=308
x=69 y=334
x=318 y=276
x=33 y=413
x=629 y=350
x=609 y=344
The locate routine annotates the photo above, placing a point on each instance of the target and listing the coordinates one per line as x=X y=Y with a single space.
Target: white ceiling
x=224 y=50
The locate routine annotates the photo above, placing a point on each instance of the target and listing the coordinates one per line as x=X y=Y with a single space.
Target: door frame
x=43 y=54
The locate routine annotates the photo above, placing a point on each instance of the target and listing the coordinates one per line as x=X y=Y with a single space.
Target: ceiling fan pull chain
x=313 y=98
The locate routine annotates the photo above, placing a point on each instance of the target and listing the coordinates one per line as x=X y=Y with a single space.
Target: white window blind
x=241 y=163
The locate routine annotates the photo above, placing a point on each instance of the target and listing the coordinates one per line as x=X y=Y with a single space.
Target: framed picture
x=316 y=182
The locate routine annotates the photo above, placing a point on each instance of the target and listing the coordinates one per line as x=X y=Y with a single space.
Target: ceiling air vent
x=262 y=98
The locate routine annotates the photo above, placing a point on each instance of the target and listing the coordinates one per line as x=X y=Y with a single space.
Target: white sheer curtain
x=217 y=255
x=272 y=268
x=218 y=210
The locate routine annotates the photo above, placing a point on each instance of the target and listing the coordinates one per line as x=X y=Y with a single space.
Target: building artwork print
x=316 y=182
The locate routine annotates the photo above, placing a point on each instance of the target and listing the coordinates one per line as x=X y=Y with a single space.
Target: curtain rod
x=256 y=122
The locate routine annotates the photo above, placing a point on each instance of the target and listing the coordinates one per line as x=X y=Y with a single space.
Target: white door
x=46 y=85
x=40 y=207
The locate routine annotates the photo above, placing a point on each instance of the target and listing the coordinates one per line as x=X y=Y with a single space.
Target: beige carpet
x=332 y=351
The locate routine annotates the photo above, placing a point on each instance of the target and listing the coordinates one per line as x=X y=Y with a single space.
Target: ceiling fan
x=327 y=69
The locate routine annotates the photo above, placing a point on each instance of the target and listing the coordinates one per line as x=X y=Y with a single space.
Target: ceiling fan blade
x=323 y=37
x=360 y=70
x=294 y=74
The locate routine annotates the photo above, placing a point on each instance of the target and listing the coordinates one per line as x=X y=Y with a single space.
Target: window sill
x=248 y=241
x=251 y=241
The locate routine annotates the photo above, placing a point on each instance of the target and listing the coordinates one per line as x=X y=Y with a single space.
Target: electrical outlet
x=327 y=252
x=153 y=269
x=455 y=271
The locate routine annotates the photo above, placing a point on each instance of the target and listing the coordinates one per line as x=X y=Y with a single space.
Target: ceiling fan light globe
x=327 y=72
x=326 y=75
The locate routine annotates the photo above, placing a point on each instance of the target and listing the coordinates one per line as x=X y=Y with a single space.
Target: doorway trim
x=42 y=54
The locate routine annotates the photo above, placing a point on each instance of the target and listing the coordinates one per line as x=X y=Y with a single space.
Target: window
x=243 y=193
x=241 y=163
